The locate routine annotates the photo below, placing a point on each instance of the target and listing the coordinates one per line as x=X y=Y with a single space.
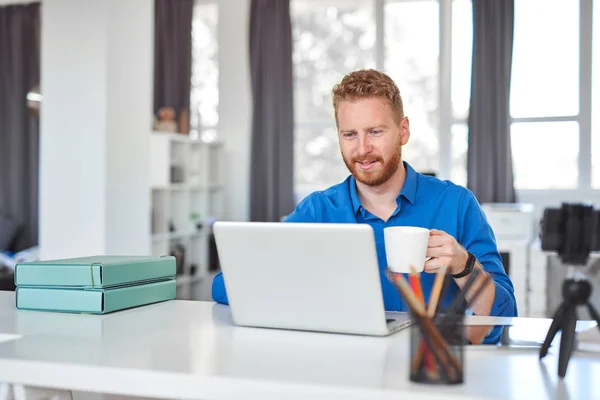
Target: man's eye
x=349 y=134
x=376 y=132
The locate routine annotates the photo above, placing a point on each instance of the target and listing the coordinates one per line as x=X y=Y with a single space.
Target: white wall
x=72 y=172
x=235 y=104
x=129 y=85
x=96 y=79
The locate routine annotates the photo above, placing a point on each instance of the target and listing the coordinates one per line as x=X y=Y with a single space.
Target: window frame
x=583 y=118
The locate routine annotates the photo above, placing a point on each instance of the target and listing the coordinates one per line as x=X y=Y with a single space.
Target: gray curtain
x=19 y=133
x=489 y=158
x=272 y=159
x=173 y=55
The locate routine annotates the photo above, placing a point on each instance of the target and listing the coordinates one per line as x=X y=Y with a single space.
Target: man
x=385 y=191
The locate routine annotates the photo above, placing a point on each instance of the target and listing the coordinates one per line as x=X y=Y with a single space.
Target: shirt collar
x=409 y=188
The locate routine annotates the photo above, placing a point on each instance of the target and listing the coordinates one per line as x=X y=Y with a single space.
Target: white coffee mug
x=406 y=246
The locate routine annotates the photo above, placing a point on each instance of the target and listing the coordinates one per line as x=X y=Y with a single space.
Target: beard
x=377 y=176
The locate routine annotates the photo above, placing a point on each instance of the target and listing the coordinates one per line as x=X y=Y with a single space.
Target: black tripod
x=573 y=232
x=576 y=291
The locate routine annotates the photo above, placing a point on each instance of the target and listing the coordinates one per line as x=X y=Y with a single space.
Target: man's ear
x=405 y=130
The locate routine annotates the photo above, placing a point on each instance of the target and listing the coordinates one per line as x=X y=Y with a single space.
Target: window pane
x=320 y=162
x=460 y=143
x=462 y=47
x=545 y=72
x=330 y=39
x=204 y=97
x=545 y=155
x=413 y=64
x=596 y=99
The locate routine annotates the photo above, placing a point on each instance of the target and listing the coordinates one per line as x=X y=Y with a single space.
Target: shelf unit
x=187 y=184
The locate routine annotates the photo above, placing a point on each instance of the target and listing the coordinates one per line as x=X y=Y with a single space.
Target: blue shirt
x=424 y=201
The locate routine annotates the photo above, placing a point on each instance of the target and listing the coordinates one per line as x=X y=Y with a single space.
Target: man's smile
x=367 y=164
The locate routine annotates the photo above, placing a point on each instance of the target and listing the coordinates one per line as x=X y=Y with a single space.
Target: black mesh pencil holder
x=437 y=348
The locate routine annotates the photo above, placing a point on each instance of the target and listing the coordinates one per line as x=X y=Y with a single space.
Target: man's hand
x=443 y=249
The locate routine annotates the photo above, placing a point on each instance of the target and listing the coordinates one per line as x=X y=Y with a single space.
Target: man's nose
x=364 y=144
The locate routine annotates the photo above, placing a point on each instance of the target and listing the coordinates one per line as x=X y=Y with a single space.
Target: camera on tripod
x=573 y=231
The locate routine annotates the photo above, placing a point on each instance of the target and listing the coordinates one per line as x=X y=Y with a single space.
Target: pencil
x=408 y=295
x=435 y=291
x=434 y=298
x=439 y=346
x=415 y=282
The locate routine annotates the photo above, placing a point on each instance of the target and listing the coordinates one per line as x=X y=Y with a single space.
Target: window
x=462 y=47
x=204 y=97
x=413 y=65
x=545 y=73
x=553 y=164
x=330 y=38
x=334 y=37
x=595 y=128
x=544 y=101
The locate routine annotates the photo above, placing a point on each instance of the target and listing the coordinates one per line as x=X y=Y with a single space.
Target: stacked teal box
x=96 y=285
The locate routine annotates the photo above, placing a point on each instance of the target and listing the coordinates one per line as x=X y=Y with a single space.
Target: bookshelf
x=186 y=181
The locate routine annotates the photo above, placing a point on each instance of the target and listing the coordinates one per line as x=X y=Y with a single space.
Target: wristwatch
x=468 y=267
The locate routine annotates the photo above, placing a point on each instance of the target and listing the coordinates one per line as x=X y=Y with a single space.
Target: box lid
x=94 y=272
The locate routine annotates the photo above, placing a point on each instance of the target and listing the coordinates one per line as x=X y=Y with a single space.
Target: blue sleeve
x=476 y=236
x=304 y=212
x=219 y=294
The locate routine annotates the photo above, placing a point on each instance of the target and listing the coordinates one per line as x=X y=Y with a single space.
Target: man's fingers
x=437 y=252
x=436 y=241
x=431 y=270
x=433 y=264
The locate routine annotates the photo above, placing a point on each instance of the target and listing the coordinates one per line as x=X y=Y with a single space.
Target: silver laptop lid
x=307 y=276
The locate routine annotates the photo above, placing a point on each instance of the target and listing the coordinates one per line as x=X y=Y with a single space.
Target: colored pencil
x=435 y=291
x=431 y=334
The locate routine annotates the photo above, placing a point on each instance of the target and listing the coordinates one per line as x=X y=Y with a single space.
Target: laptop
x=319 y=277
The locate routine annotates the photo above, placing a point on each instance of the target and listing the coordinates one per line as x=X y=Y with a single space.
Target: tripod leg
x=567 y=339
x=594 y=313
x=574 y=341
x=554 y=327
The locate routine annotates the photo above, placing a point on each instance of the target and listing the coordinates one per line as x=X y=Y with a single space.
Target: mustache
x=367 y=159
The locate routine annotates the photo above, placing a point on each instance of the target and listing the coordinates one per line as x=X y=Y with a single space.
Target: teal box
x=94 y=301
x=97 y=272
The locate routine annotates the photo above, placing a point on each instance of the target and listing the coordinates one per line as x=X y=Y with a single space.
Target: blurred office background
x=131 y=126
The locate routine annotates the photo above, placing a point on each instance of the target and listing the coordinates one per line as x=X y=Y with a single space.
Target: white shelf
x=157 y=237
x=183 y=138
x=186 y=178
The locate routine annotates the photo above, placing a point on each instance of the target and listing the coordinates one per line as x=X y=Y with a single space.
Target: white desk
x=191 y=350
